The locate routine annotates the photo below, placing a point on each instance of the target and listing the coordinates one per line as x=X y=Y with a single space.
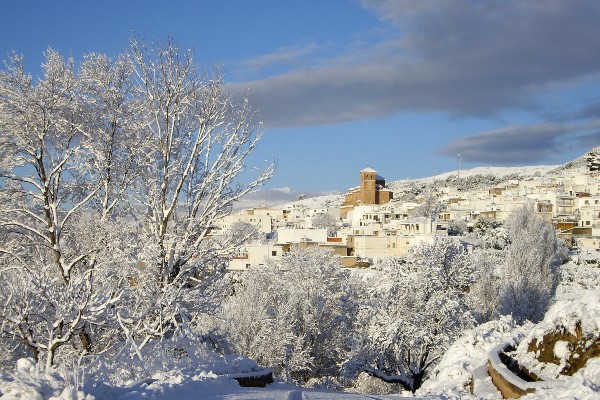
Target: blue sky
x=402 y=86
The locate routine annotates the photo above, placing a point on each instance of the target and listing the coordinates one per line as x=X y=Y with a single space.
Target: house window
x=587 y=222
x=274 y=253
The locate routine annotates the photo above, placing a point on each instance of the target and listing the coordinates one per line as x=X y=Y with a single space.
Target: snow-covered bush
x=26 y=381
x=327 y=221
x=430 y=207
x=412 y=312
x=530 y=268
x=365 y=383
x=293 y=316
x=484 y=294
x=492 y=232
x=457 y=227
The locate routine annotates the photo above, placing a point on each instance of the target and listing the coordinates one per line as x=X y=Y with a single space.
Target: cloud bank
x=461 y=57
x=523 y=144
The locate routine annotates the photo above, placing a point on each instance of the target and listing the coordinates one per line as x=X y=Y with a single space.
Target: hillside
x=576 y=307
x=470 y=179
x=589 y=160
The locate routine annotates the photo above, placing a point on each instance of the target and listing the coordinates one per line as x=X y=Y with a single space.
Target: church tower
x=368 y=180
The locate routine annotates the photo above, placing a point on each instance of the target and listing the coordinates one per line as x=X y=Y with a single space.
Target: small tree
x=325 y=220
x=530 y=268
x=418 y=308
x=293 y=315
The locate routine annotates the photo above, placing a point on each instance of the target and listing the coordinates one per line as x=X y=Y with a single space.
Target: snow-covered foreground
x=230 y=391
x=577 y=299
x=29 y=384
x=451 y=379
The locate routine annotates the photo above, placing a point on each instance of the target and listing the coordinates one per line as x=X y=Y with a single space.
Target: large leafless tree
x=113 y=176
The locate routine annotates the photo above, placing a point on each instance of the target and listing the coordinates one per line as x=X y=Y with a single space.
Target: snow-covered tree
x=530 y=268
x=416 y=309
x=492 y=232
x=47 y=183
x=592 y=159
x=293 y=316
x=116 y=124
x=241 y=232
x=325 y=220
x=112 y=177
x=457 y=227
x=484 y=294
x=430 y=207
x=198 y=141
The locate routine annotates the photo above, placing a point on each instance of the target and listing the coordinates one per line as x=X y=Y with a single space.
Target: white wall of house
x=375 y=247
x=589 y=212
x=264 y=223
x=589 y=245
x=254 y=255
x=292 y=235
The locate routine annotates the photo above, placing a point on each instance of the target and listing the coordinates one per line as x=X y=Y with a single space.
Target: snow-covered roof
x=368 y=169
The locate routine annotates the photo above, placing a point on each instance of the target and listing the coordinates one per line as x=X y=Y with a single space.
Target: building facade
x=372 y=190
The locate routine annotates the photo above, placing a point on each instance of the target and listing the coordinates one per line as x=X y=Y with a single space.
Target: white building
x=253 y=255
x=291 y=235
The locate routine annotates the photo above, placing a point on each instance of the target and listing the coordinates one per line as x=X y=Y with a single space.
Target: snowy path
x=284 y=393
x=228 y=391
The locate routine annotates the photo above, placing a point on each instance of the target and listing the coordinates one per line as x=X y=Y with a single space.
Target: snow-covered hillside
x=576 y=302
x=499 y=172
x=474 y=177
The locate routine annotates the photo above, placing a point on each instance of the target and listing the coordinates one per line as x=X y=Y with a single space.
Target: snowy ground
x=29 y=384
x=230 y=391
x=451 y=379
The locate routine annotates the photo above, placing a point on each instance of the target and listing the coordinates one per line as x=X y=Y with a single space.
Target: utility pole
x=458 y=156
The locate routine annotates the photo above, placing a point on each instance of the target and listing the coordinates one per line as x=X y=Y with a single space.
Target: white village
x=373 y=221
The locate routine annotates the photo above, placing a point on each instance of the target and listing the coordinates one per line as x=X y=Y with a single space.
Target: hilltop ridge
x=469 y=178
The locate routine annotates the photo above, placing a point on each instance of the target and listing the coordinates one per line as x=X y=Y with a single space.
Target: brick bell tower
x=368 y=184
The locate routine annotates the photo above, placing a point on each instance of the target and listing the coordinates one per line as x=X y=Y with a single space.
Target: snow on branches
x=412 y=313
x=112 y=177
